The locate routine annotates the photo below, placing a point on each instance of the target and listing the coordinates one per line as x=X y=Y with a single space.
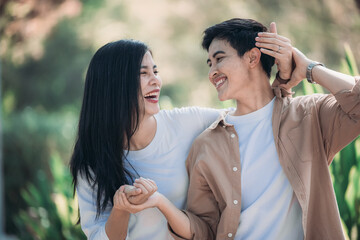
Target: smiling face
x=228 y=72
x=150 y=85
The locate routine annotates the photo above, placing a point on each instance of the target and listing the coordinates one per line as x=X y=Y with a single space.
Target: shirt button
x=235 y=202
x=229 y=234
x=234 y=169
x=232 y=135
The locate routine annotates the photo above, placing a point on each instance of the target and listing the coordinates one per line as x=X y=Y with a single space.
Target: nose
x=212 y=72
x=155 y=80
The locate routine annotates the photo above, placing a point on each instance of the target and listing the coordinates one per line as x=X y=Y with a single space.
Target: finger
x=273 y=47
x=130 y=207
x=154 y=184
x=152 y=181
x=130 y=196
x=273 y=27
x=117 y=199
x=132 y=190
x=146 y=184
x=121 y=188
x=288 y=85
x=275 y=83
x=125 y=201
x=273 y=35
x=273 y=41
x=269 y=52
x=143 y=188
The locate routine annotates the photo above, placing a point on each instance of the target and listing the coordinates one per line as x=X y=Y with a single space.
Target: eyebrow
x=147 y=66
x=214 y=55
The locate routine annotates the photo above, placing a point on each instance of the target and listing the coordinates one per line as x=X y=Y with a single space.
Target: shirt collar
x=279 y=92
x=221 y=120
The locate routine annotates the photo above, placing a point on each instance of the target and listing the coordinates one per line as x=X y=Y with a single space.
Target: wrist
x=119 y=211
x=283 y=77
x=280 y=78
x=161 y=201
x=309 y=70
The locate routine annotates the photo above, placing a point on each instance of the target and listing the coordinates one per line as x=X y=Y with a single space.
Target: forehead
x=147 y=59
x=220 y=45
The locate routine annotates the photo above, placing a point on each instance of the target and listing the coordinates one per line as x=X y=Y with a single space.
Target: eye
x=156 y=72
x=218 y=59
x=142 y=73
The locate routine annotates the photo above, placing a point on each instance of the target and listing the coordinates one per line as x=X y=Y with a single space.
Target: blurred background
x=46 y=46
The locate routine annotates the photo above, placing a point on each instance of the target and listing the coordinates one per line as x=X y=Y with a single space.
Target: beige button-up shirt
x=308 y=132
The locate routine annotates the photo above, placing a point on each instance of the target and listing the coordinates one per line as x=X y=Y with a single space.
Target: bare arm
x=339 y=113
x=178 y=220
x=117 y=224
x=333 y=81
x=280 y=48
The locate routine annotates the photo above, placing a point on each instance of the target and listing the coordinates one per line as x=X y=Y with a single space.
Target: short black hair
x=240 y=33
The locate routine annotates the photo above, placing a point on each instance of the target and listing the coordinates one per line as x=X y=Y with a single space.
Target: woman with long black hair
x=123 y=135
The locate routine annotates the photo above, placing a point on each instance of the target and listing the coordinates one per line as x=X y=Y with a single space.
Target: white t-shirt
x=163 y=160
x=269 y=207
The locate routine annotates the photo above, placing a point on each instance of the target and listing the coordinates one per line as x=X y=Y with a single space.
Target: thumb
x=273 y=27
x=122 y=188
x=290 y=84
x=131 y=190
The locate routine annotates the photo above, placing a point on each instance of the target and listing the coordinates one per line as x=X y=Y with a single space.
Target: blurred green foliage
x=43 y=78
x=51 y=209
x=345 y=167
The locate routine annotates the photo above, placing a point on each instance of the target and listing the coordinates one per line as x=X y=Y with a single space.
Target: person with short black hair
x=261 y=171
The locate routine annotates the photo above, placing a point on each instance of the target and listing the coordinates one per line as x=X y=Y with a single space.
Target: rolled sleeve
x=340 y=119
x=349 y=100
x=176 y=236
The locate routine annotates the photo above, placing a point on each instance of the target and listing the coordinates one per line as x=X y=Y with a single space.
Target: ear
x=254 y=56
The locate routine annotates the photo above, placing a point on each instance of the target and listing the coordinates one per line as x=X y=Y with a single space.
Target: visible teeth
x=153 y=94
x=219 y=82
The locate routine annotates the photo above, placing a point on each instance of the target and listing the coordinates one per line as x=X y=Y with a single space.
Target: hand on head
x=278 y=47
x=299 y=73
x=290 y=61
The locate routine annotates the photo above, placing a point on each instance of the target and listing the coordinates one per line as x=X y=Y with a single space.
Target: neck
x=256 y=95
x=144 y=134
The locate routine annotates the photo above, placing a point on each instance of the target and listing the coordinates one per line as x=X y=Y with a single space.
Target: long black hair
x=108 y=119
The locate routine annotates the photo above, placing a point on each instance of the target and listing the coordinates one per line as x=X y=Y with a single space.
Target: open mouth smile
x=152 y=96
x=219 y=81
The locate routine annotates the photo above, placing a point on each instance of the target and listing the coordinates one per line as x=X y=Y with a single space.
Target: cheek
x=143 y=85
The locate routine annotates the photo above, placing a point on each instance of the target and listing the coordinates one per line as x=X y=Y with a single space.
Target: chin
x=152 y=111
x=222 y=98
